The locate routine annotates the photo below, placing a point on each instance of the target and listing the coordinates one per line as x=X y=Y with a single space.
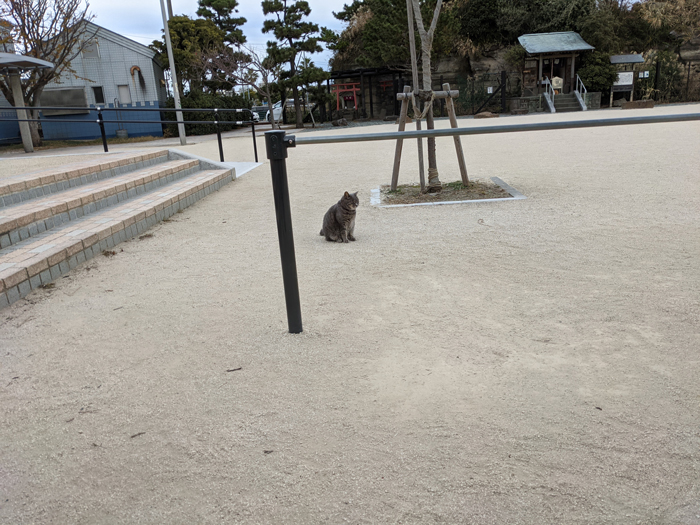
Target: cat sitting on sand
x=339 y=221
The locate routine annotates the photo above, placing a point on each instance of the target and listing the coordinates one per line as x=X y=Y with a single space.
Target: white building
x=111 y=69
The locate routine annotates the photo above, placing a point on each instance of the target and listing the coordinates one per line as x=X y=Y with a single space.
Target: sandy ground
x=530 y=361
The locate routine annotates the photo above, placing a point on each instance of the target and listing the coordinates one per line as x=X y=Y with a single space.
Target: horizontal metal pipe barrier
x=506 y=128
x=136 y=108
x=58 y=121
x=101 y=123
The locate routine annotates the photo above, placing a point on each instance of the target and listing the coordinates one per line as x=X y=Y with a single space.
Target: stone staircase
x=54 y=220
x=568 y=102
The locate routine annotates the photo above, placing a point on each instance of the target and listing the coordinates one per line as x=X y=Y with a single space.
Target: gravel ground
x=529 y=361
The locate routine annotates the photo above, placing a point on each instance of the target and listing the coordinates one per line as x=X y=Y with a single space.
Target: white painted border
x=375 y=198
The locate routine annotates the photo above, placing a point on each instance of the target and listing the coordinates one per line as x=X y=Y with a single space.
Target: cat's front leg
x=343 y=236
x=351 y=230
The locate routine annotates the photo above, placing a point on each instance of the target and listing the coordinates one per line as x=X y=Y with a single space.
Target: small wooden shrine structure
x=551 y=57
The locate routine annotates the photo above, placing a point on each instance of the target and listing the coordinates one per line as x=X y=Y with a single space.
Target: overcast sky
x=141 y=20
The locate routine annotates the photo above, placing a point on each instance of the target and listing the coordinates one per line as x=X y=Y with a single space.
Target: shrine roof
x=567 y=41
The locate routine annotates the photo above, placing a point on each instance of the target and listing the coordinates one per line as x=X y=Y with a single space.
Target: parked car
x=277 y=112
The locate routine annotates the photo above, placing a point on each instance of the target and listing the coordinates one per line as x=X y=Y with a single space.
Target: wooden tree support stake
x=405 y=98
x=458 y=142
x=399 y=142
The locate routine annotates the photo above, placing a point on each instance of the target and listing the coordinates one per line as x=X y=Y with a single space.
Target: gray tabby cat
x=339 y=221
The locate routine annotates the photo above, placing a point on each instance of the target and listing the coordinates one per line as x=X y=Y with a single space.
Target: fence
x=277 y=143
x=474 y=91
x=101 y=121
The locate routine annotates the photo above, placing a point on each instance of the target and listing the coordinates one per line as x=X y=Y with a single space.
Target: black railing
x=278 y=142
x=101 y=121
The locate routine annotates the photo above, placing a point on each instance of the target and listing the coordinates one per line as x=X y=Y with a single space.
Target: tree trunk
x=297 y=107
x=272 y=111
x=295 y=95
x=34 y=126
x=434 y=183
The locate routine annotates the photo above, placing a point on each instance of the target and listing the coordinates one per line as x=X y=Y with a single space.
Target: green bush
x=671 y=83
x=597 y=73
x=206 y=100
x=515 y=56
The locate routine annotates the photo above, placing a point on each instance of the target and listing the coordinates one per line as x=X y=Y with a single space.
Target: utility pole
x=173 y=76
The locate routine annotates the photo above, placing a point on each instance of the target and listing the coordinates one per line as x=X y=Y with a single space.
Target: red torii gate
x=345 y=88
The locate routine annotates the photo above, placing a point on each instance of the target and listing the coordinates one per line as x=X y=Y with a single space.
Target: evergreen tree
x=293 y=36
x=189 y=38
x=221 y=13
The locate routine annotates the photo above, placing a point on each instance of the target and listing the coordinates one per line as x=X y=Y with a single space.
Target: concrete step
x=25 y=187
x=573 y=104
x=37 y=261
x=27 y=219
x=568 y=102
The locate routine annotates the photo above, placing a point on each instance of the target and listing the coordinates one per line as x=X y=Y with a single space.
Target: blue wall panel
x=9 y=131
x=89 y=129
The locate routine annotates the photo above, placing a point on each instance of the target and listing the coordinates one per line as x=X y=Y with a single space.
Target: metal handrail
x=277 y=143
x=579 y=82
x=101 y=121
x=135 y=108
x=503 y=128
x=549 y=91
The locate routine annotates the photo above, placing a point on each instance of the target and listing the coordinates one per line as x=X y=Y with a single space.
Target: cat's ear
x=346 y=194
x=355 y=194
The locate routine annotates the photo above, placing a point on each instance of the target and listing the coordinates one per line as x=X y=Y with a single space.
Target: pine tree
x=294 y=36
x=220 y=12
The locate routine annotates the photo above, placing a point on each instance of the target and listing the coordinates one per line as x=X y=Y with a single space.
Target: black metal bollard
x=101 y=123
x=255 y=144
x=277 y=143
x=218 y=135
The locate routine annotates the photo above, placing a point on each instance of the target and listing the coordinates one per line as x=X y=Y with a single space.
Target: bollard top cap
x=277 y=143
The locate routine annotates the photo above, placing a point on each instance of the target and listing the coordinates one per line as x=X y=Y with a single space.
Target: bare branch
x=53 y=30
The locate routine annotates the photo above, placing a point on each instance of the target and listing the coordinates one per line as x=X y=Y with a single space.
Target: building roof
x=567 y=41
x=627 y=59
x=13 y=61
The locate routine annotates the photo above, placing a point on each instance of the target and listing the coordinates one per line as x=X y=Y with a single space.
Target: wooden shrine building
x=365 y=92
x=551 y=58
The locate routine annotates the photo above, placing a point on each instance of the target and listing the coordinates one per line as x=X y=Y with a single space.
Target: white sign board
x=624 y=78
x=624 y=82
x=490 y=90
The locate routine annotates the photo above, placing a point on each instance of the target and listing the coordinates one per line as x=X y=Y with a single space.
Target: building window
x=64 y=98
x=124 y=94
x=99 y=94
x=91 y=49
